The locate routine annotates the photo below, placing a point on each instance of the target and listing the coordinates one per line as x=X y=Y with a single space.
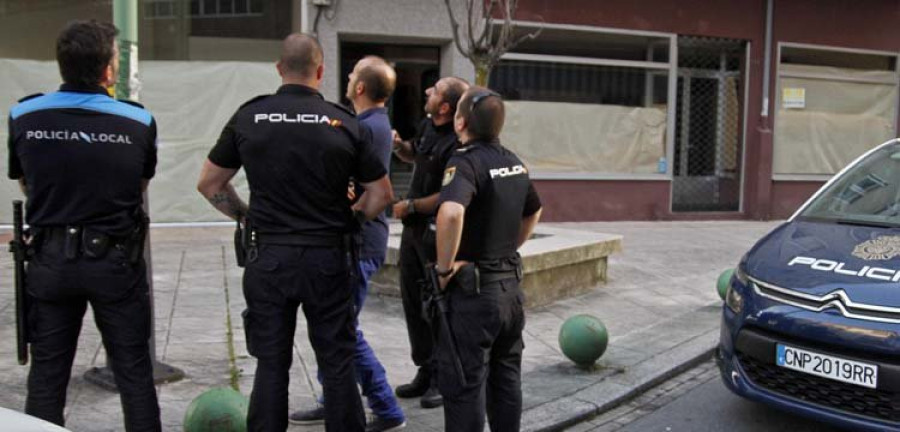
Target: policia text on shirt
x=486 y=210
x=301 y=223
x=83 y=160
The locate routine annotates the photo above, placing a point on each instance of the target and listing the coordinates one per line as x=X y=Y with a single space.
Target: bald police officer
x=299 y=153
x=487 y=209
x=83 y=160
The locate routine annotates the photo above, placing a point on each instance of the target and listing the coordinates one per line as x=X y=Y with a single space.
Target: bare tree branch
x=487 y=19
x=455 y=26
x=490 y=35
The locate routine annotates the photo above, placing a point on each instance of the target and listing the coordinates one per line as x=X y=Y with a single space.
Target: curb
x=631 y=393
x=617 y=389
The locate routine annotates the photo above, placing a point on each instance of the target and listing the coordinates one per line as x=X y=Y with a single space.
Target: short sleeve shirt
x=433 y=146
x=493 y=184
x=299 y=153
x=83 y=155
x=375 y=232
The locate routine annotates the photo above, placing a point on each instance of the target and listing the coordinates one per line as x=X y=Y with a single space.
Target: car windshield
x=866 y=194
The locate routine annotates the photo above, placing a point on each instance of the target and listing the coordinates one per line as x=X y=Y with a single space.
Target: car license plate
x=826 y=366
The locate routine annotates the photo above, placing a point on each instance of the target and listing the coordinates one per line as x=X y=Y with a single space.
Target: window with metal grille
x=168 y=9
x=585 y=102
x=708 y=149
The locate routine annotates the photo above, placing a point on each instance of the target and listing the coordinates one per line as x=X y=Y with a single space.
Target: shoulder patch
x=343 y=108
x=30 y=97
x=260 y=97
x=449 y=173
x=131 y=102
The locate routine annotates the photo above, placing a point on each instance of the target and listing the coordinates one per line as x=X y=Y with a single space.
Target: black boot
x=417 y=387
x=432 y=398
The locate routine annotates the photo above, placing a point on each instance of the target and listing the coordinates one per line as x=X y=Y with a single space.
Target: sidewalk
x=659 y=305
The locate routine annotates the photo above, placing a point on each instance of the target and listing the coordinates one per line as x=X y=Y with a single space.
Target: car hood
x=819 y=258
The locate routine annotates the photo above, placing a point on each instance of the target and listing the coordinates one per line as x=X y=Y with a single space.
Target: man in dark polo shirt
x=299 y=153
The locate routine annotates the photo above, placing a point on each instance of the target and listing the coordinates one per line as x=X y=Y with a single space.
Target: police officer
x=487 y=209
x=430 y=150
x=370 y=85
x=299 y=153
x=83 y=160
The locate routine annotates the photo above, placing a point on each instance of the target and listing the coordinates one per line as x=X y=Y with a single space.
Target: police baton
x=439 y=298
x=17 y=247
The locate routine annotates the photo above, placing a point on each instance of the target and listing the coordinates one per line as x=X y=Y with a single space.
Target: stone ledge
x=558 y=263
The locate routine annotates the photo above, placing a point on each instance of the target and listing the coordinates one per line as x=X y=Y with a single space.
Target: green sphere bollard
x=583 y=339
x=723 y=282
x=221 y=409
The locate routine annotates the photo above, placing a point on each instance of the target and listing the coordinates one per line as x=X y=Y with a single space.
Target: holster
x=352 y=242
x=72 y=246
x=134 y=242
x=246 y=247
x=240 y=253
x=468 y=279
x=95 y=244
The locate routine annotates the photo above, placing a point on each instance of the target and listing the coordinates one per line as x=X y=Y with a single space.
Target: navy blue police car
x=811 y=321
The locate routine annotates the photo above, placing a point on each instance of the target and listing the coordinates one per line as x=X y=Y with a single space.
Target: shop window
x=832 y=105
x=167 y=9
x=584 y=102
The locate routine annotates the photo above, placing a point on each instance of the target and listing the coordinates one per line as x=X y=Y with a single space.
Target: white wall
x=419 y=22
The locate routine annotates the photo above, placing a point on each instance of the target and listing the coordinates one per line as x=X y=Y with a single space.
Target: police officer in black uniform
x=299 y=153
x=430 y=150
x=487 y=209
x=83 y=160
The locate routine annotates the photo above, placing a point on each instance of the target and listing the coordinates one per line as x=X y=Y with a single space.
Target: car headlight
x=733 y=299
x=741 y=276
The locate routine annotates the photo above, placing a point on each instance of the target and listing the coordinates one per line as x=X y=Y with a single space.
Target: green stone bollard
x=221 y=409
x=583 y=339
x=723 y=282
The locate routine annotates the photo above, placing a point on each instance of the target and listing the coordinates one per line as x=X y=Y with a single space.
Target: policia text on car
x=301 y=226
x=487 y=209
x=83 y=160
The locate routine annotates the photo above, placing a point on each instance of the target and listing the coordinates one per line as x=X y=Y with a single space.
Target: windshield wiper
x=865 y=223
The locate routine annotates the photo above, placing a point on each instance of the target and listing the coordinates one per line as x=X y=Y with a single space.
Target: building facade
x=623 y=109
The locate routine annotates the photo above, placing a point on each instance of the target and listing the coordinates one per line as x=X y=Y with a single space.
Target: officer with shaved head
x=299 y=152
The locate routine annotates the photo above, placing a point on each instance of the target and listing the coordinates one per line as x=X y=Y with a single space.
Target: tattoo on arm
x=228 y=202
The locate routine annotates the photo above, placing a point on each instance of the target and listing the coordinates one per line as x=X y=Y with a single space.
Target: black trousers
x=487 y=328
x=282 y=279
x=412 y=276
x=59 y=291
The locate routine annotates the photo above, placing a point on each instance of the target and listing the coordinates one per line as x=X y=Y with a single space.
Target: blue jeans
x=370 y=373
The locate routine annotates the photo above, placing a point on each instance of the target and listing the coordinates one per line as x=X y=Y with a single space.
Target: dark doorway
x=709 y=125
x=418 y=67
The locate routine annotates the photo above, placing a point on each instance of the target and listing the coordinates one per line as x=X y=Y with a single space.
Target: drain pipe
x=767 y=62
x=304 y=16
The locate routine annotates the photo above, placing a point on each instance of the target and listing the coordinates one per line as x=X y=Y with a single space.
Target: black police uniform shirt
x=299 y=153
x=493 y=184
x=432 y=146
x=83 y=155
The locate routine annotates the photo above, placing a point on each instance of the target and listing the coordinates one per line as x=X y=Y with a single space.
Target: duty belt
x=301 y=240
x=491 y=277
x=77 y=240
